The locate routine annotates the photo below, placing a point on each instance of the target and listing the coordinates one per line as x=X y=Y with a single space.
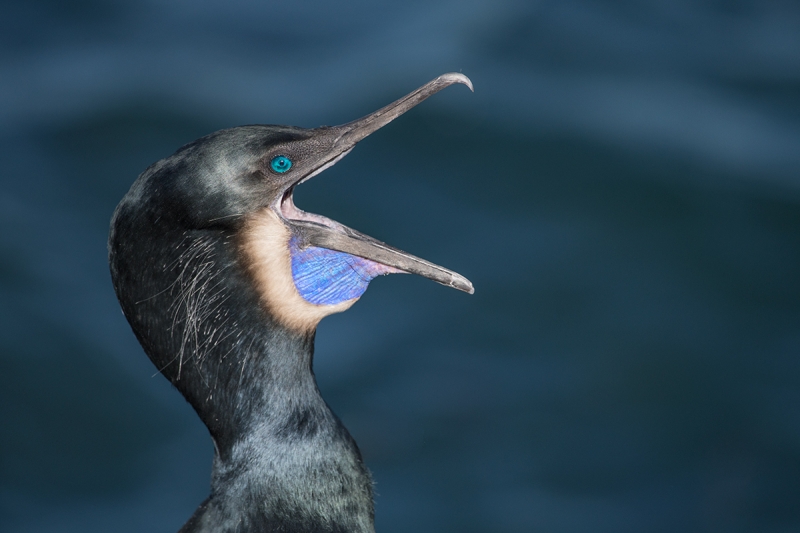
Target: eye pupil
x=280 y=163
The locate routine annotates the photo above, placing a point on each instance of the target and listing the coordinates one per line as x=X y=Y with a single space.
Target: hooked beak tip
x=353 y=132
x=457 y=77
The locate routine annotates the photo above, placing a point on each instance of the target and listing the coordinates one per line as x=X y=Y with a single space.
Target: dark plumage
x=201 y=261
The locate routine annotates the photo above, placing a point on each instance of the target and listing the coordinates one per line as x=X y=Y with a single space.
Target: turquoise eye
x=280 y=164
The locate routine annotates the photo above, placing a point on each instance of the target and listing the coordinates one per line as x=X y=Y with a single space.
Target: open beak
x=315 y=230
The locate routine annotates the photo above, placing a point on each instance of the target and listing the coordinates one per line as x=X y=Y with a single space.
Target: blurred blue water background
x=623 y=189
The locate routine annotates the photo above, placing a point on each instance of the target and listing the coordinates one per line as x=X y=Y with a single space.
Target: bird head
x=237 y=184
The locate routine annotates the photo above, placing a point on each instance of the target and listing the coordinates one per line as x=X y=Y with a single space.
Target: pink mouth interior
x=292 y=212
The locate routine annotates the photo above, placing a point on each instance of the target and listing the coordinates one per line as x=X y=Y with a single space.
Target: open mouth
x=316 y=230
x=291 y=212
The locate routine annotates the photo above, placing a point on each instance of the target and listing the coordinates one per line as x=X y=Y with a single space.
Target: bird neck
x=283 y=461
x=290 y=463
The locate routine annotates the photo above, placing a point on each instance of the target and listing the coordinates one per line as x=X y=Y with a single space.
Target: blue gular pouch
x=328 y=277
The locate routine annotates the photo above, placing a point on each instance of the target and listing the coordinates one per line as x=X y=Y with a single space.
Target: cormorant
x=224 y=281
